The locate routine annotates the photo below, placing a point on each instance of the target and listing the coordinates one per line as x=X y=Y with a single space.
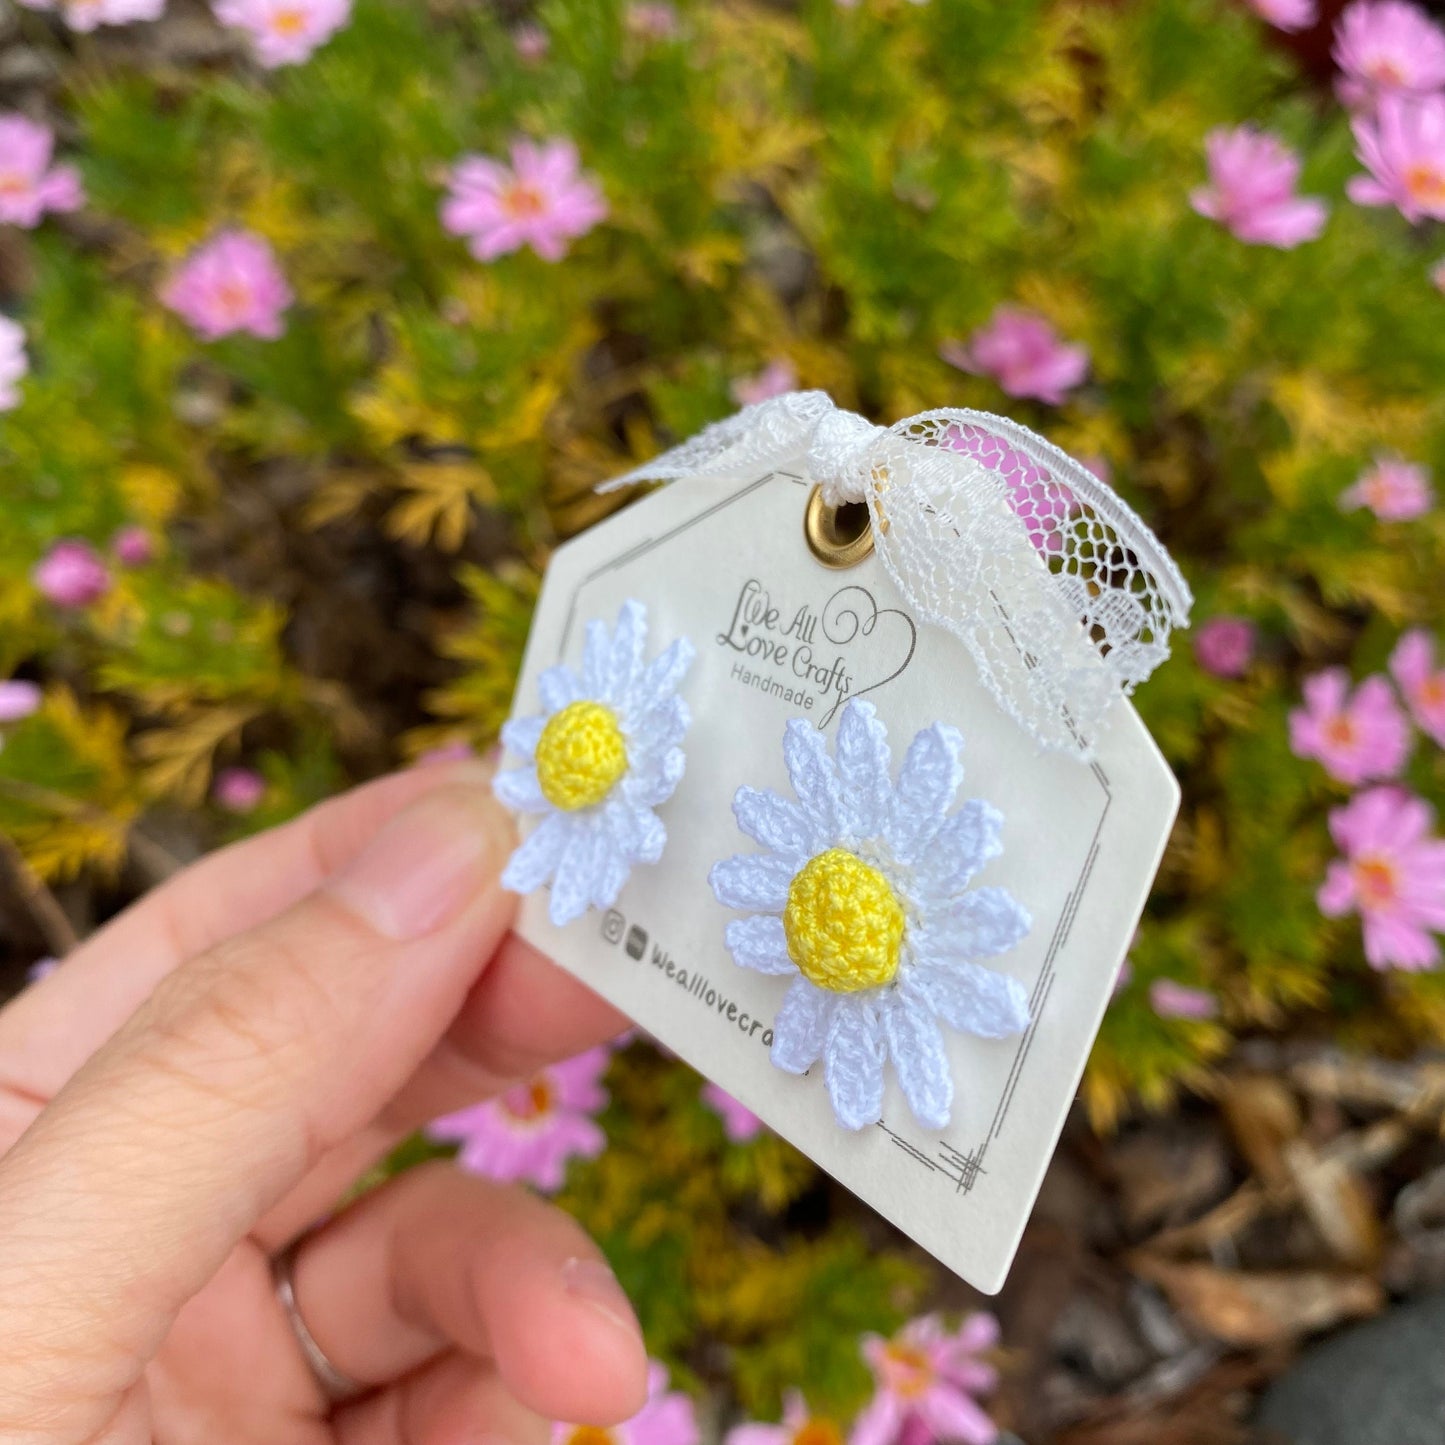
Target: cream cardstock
x=780 y=636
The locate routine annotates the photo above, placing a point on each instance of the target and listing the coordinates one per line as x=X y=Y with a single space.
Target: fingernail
x=593 y=1281
x=419 y=872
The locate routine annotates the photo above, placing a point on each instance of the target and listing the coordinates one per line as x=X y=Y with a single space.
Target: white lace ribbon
x=1061 y=593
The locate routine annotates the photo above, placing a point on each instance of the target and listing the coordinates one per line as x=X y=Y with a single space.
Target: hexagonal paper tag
x=779 y=636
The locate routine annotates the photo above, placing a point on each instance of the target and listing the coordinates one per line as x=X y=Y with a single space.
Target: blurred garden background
x=322 y=320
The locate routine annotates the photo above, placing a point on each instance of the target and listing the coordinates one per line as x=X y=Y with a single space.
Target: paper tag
x=779 y=636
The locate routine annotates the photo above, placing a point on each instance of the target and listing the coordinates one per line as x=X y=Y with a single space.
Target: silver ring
x=337 y=1384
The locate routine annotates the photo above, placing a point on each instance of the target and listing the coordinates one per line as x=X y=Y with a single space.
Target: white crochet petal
x=814 y=778
x=966 y=841
x=853 y=1058
x=915 y=1044
x=864 y=770
x=977 y=924
x=638 y=832
x=655 y=731
x=927 y=782
x=972 y=999
x=557 y=687
x=611 y=868
x=801 y=1027
x=624 y=658
x=581 y=868
x=536 y=859
x=664 y=674
x=652 y=781
x=770 y=819
x=522 y=734
x=759 y=943
x=596 y=655
x=756 y=882
x=519 y=788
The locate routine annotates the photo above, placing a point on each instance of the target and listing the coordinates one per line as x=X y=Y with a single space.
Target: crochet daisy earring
x=602 y=754
x=862 y=899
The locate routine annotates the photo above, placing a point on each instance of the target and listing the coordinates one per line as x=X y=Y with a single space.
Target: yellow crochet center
x=843 y=923
x=580 y=756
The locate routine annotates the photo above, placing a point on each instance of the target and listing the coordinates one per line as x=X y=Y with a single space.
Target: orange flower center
x=12 y=184
x=1376 y=882
x=522 y=202
x=1339 y=731
x=588 y=1435
x=1426 y=184
x=531 y=1101
x=1385 y=71
x=1432 y=691
x=912 y=1374
x=818 y=1432
x=1379 y=490
x=233 y=296
x=289 y=21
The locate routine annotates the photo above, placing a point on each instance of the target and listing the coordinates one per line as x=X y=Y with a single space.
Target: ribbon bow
x=1061 y=593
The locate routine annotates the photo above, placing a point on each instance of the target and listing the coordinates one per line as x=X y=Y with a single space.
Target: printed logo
x=807 y=656
x=636 y=941
x=612 y=925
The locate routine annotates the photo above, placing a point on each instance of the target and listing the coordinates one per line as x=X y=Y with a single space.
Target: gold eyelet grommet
x=837 y=536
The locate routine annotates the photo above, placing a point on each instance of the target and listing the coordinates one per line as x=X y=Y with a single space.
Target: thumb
x=132 y=1187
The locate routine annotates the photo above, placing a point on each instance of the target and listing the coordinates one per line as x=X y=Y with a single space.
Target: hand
x=206 y=1077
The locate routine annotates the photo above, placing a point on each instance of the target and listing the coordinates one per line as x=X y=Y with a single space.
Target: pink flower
x=1023 y=353
x=29 y=185
x=14 y=364
x=238 y=790
x=1251 y=190
x=925 y=1382
x=532 y=1130
x=1358 y=738
x=18 y=699
x=1392 y=875
x=232 y=283
x=799 y=1427
x=1173 y=1000
x=284 y=32
x=1123 y=978
x=542 y=200
x=653 y=20
x=1403 y=147
x=1042 y=504
x=1387 y=47
x=777 y=377
x=1225 y=646
x=739 y=1122
x=132 y=547
x=532 y=43
x=86 y=15
x=1287 y=14
x=666 y=1419
x=72 y=574
x=1394 y=490
x=1437 y=275
x=1413 y=665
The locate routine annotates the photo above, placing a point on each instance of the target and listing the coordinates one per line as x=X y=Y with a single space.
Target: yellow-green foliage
x=843 y=188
